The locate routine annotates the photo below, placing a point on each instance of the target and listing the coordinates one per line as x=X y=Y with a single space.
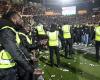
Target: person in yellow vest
x=10 y=53
x=41 y=35
x=25 y=41
x=40 y=31
x=28 y=45
x=66 y=28
x=53 y=43
x=28 y=38
x=31 y=46
x=97 y=41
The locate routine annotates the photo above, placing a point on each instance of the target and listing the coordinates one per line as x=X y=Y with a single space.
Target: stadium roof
x=68 y=2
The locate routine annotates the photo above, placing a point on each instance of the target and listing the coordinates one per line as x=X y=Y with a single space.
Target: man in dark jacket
x=9 y=44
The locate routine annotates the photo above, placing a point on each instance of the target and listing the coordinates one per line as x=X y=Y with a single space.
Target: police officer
x=53 y=42
x=97 y=41
x=68 y=39
x=10 y=54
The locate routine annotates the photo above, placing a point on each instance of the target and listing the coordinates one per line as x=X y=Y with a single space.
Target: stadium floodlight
x=66 y=1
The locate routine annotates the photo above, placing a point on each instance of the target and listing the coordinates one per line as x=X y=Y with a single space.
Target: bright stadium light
x=66 y=1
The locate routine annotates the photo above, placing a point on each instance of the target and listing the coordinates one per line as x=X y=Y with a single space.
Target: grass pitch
x=81 y=67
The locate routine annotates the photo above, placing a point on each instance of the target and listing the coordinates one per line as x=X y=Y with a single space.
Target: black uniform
x=7 y=39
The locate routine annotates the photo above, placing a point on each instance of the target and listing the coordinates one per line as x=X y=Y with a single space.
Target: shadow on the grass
x=44 y=60
x=78 y=71
x=75 y=69
x=62 y=55
x=90 y=57
x=80 y=51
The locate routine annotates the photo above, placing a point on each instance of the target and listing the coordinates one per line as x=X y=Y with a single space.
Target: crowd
x=23 y=36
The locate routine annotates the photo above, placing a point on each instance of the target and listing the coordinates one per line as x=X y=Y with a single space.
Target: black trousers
x=23 y=75
x=8 y=74
x=62 y=43
x=68 y=47
x=54 y=49
x=41 y=38
x=97 y=47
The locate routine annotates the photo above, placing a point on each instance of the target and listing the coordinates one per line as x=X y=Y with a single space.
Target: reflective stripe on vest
x=40 y=30
x=27 y=38
x=53 y=38
x=17 y=36
x=97 y=35
x=6 y=60
x=66 y=31
x=31 y=42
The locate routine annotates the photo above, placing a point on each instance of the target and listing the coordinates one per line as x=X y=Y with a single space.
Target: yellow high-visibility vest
x=66 y=31
x=6 y=60
x=31 y=41
x=40 y=30
x=53 y=38
x=18 y=41
x=97 y=33
x=27 y=38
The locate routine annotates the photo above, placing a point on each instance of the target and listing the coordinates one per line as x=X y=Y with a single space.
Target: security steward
x=28 y=43
x=30 y=47
x=67 y=40
x=41 y=34
x=23 y=75
x=53 y=43
x=10 y=54
x=25 y=40
x=40 y=31
x=26 y=37
x=97 y=41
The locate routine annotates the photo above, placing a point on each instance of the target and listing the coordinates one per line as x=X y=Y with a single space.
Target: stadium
x=61 y=39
